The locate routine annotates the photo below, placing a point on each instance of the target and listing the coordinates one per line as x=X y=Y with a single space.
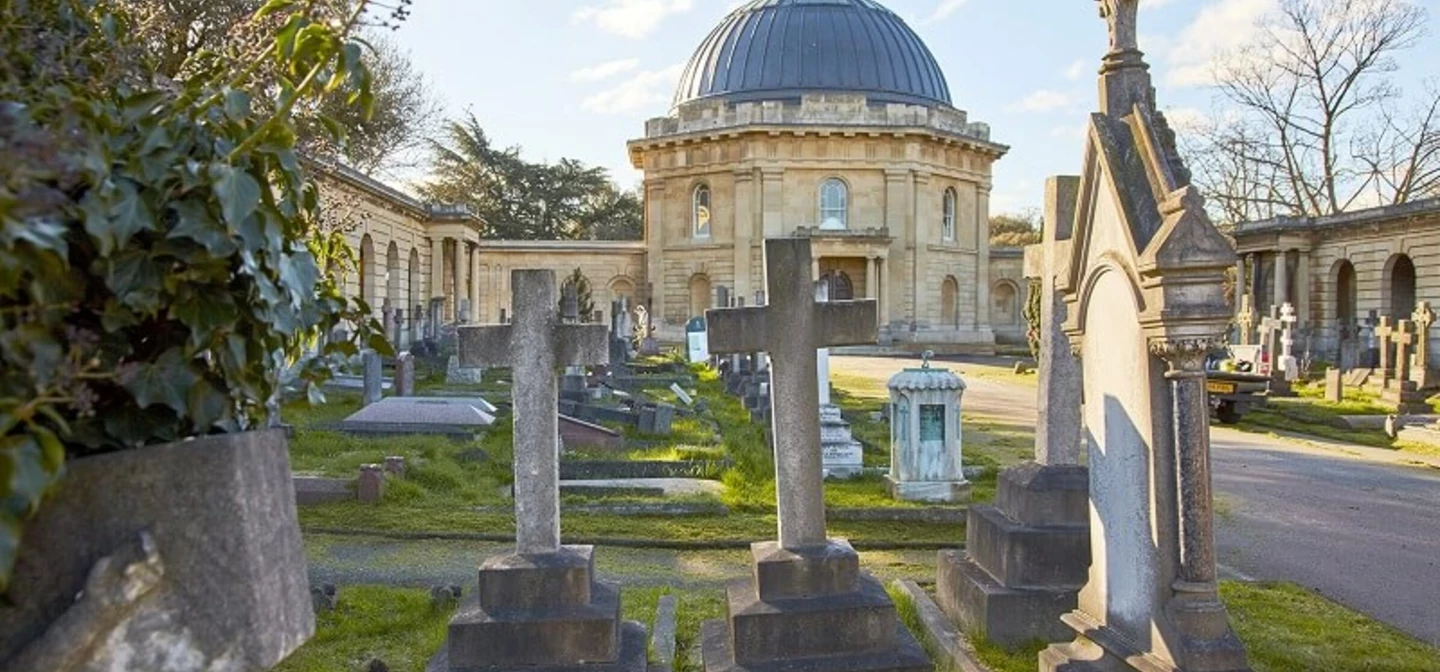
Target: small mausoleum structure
x=925 y=459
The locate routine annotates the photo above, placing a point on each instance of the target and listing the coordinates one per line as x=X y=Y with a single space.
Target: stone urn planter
x=179 y=557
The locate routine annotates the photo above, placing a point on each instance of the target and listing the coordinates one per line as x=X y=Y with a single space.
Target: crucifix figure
x=534 y=344
x=792 y=327
x=1121 y=15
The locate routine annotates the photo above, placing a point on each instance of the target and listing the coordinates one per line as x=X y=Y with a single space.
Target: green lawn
x=1309 y=413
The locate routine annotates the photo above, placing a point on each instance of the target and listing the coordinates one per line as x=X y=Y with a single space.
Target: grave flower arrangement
x=162 y=254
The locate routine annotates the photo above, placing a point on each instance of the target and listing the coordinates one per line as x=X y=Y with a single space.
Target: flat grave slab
x=668 y=487
x=444 y=416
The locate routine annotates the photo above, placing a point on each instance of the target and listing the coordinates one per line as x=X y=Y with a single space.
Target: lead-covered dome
x=781 y=49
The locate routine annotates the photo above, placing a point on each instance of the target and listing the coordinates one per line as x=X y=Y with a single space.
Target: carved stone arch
x=1344 y=308
x=392 y=276
x=1398 y=289
x=367 y=270
x=950 y=302
x=701 y=295
x=1004 y=303
x=412 y=282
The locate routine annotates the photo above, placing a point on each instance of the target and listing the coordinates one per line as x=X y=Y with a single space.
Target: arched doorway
x=412 y=282
x=950 y=302
x=1347 y=297
x=367 y=263
x=1400 y=286
x=1004 y=304
x=392 y=277
x=840 y=286
x=699 y=295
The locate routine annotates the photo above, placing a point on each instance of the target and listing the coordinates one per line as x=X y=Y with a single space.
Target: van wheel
x=1229 y=412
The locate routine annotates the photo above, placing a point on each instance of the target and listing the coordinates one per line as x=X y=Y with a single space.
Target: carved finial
x=925 y=358
x=1121 y=15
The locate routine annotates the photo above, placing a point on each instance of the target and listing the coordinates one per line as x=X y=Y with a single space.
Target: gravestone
x=1245 y=321
x=925 y=453
x=1144 y=286
x=1371 y=357
x=1402 y=392
x=541 y=606
x=1027 y=555
x=657 y=419
x=682 y=395
x=807 y=606
x=1383 y=332
x=840 y=453
x=457 y=417
x=370 y=487
x=1288 y=366
x=645 y=343
x=1421 y=372
x=370 y=362
x=463 y=375
x=1334 y=386
x=573 y=384
x=405 y=375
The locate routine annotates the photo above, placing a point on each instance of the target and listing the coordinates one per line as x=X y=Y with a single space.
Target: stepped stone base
x=1407 y=398
x=543 y=612
x=810 y=609
x=1025 y=560
x=1009 y=617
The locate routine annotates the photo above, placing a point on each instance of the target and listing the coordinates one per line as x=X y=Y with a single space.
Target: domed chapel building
x=828 y=119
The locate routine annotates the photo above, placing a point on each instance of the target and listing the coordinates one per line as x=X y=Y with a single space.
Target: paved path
x=1346 y=521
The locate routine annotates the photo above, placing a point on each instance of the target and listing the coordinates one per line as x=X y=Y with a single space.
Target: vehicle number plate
x=1215 y=387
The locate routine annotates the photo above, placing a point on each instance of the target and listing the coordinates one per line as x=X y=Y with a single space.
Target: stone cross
x=1269 y=326
x=1424 y=318
x=1383 y=332
x=1122 y=17
x=791 y=328
x=642 y=325
x=534 y=345
x=1245 y=321
x=1404 y=337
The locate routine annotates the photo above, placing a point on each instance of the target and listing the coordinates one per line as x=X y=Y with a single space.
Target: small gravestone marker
x=682 y=395
x=1288 y=365
x=1383 y=332
x=405 y=375
x=370 y=487
x=395 y=466
x=370 y=361
x=324 y=598
x=1424 y=319
x=1334 y=386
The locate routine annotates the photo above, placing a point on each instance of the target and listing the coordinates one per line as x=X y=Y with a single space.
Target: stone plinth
x=1027 y=557
x=810 y=609
x=840 y=453
x=546 y=612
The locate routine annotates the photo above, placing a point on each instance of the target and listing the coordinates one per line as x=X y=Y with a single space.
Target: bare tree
x=1316 y=124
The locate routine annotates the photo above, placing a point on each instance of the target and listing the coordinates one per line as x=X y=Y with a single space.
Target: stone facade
x=1009 y=292
x=1339 y=268
x=913 y=206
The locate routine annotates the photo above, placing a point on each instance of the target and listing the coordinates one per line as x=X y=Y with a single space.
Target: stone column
x=872 y=279
x=1302 y=289
x=772 y=201
x=921 y=215
x=458 y=270
x=744 y=230
x=1240 y=286
x=1253 y=287
x=882 y=289
x=437 y=268
x=1191 y=426
x=475 y=314
x=655 y=245
x=1282 y=278
x=982 y=261
x=815 y=268
x=896 y=217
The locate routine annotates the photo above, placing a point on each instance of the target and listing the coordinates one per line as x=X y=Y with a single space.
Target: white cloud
x=1044 y=100
x=1076 y=70
x=631 y=18
x=1221 y=26
x=943 y=11
x=1152 y=4
x=1073 y=132
x=649 y=89
x=1184 y=119
x=605 y=70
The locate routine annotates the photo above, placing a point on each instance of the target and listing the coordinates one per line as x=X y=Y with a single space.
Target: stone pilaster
x=745 y=218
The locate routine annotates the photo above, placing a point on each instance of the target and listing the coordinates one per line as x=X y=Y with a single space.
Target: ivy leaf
x=135 y=279
x=129 y=214
x=163 y=381
x=204 y=314
x=194 y=221
x=117 y=317
x=239 y=193
x=141 y=104
x=207 y=405
x=237 y=104
x=47 y=236
x=299 y=274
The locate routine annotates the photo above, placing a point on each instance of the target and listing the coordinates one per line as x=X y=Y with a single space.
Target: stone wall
x=614 y=269
x=1009 y=292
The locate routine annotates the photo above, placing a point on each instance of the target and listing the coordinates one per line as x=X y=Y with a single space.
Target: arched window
x=840 y=286
x=834 y=205
x=1400 y=286
x=950 y=302
x=700 y=224
x=699 y=295
x=1347 y=298
x=947 y=224
x=1005 y=311
x=367 y=263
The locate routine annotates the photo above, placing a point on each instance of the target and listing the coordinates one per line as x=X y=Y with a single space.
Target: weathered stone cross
x=1404 y=337
x=1383 y=332
x=1287 y=334
x=1269 y=326
x=1424 y=318
x=533 y=345
x=1246 y=320
x=791 y=328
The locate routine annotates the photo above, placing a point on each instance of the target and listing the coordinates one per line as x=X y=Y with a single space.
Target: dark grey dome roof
x=779 y=49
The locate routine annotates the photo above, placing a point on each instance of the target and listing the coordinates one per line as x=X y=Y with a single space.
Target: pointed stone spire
x=1124 y=75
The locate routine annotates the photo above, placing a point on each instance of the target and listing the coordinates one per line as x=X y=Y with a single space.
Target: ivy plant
x=161 y=256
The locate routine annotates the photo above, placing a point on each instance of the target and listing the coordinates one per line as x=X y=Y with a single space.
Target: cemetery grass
x=396 y=625
x=1308 y=413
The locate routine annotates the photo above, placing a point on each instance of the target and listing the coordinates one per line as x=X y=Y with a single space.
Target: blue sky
x=577 y=78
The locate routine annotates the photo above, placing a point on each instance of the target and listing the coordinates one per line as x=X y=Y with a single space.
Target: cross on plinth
x=1245 y=321
x=1269 y=326
x=1424 y=318
x=1287 y=335
x=1383 y=332
x=791 y=328
x=1404 y=336
x=534 y=344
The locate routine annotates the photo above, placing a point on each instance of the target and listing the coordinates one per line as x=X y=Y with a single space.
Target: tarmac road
x=1347 y=521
